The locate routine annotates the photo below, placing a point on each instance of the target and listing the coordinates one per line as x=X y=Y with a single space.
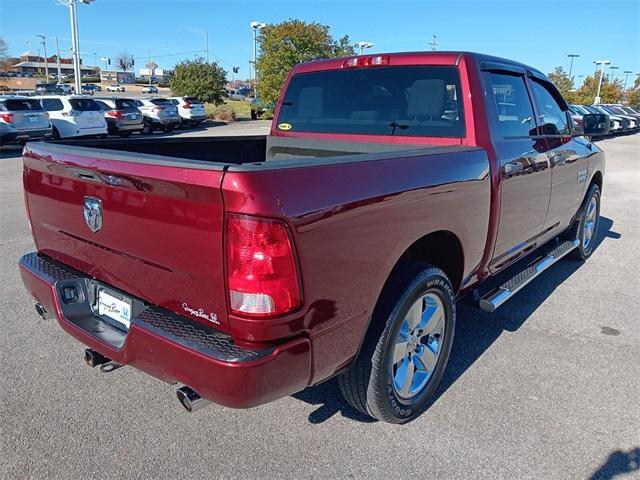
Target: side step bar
x=492 y=300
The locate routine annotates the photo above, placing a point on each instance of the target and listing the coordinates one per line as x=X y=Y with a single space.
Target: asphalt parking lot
x=546 y=388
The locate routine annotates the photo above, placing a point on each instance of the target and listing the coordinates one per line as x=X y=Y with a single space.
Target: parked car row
x=622 y=119
x=62 y=116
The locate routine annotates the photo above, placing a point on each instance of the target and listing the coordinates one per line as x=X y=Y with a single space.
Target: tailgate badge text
x=212 y=317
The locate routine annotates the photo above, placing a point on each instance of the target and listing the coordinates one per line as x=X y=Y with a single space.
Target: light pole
x=572 y=56
x=626 y=77
x=255 y=26
x=205 y=34
x=46 y=65
x=611 y=72
x=75 y=42
x=602 y=63
x=58 y=61
x=363 y=45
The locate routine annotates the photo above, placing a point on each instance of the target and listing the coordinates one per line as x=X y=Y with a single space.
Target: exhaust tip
x=190 y=400
x=40 y=310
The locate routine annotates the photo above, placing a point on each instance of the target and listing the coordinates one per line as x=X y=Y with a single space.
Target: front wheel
x=407 y=347
x=587 y=224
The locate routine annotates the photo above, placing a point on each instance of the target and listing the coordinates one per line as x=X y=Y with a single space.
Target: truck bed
x=216 y=153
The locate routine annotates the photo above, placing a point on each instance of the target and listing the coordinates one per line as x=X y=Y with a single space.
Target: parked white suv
x=159 y=113
x=116 y=87
x=190 y=109
x=74 y=116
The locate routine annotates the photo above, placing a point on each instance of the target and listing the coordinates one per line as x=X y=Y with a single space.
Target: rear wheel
x=147 y=128
x=407 y=348
x=56 y=134
x=586 y=226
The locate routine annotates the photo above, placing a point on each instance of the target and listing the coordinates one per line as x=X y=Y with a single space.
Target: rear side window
x=52 y=104
x=552 y=118
x=402 y=101
x=84 y=105
x=515 y=113
x=102 y=105
x=161 y=101
x=21 y=105
x=123 y=103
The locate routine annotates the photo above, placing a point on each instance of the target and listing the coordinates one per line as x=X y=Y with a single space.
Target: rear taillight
x=6 y=117
x=71 y=113
x=186 y=105
x=262 y=271
x=115 y=113
x=157 y=109
x=366 y=61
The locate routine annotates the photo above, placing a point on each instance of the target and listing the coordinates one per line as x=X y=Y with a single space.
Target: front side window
x=52 y=104
x=515 y=113
x=553 y=119
x=389 y=100
x=84 y=105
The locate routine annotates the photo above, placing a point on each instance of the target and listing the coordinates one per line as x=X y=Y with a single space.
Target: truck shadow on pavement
x=476 y=331
x=618 y=463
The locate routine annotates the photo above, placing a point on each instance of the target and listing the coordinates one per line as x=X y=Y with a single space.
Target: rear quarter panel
x=351 y=223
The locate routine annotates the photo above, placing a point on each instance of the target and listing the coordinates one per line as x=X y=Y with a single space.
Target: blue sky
x=540 y=33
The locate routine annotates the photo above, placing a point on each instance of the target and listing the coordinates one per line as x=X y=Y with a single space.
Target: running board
x=492 y=300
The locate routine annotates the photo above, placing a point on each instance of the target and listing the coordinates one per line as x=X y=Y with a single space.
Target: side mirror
x=595 y=124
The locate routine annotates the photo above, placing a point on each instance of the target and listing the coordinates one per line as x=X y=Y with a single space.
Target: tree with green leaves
x=197 y=78
x=285 y=44
x=611 y=92
x=633 y=94
x=563 y=83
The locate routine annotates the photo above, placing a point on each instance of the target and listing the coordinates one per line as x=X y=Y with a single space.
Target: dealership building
x=35 y=64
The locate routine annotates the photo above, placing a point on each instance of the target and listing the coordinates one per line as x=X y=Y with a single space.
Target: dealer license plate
x=115 y=308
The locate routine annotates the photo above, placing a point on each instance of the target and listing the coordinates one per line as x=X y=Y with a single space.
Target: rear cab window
x=411 y=101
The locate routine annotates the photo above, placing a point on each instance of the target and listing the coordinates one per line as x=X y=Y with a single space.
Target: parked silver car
x=158 y=113
x=22 y=119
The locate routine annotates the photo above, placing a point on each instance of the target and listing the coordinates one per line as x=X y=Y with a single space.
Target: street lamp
x=363 y=45
x=626 y=77
x=602 y=63
x=46 y=65
x=255 y=26
x=75 y=41
x=572 y=56
x=611 y=72
x=205 y=34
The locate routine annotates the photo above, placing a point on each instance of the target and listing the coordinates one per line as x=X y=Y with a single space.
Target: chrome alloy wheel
x=417 y=346
x=590 y=222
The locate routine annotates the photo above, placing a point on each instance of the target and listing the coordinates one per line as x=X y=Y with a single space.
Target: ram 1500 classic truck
x=248 y=268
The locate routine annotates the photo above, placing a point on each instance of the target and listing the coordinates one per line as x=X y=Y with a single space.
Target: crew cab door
x=567 y=156
x=525 y=176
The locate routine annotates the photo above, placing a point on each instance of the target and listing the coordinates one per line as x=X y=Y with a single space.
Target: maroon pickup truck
x=248 y=268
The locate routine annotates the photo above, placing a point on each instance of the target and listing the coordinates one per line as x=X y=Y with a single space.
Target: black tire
x=124 y=134
x=147 y=128
x=56 y=134
x=368 y=384
x=254 y=115
x=581 y=230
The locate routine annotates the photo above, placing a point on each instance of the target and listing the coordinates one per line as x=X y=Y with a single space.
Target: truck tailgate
x=160 y=237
